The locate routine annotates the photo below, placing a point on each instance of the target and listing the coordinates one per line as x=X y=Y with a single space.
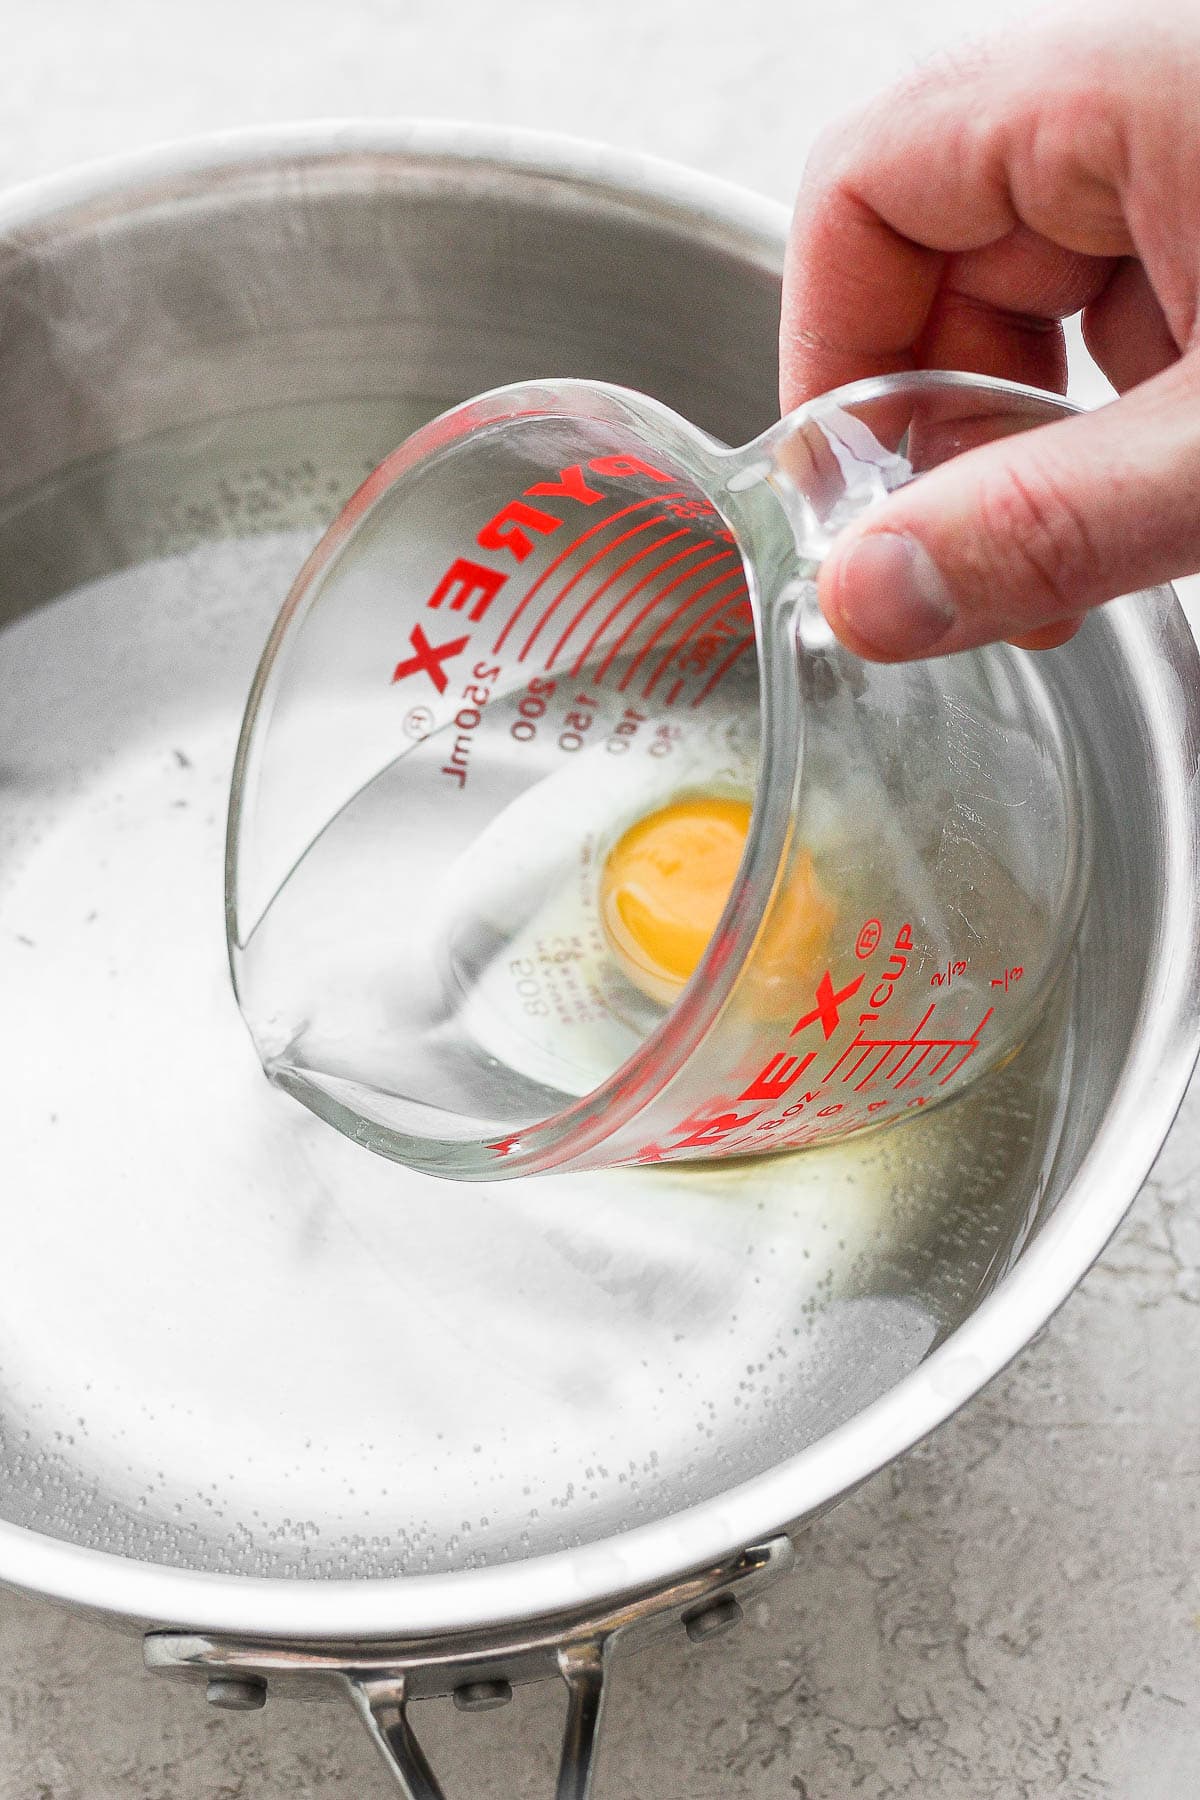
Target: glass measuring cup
x=556 y=679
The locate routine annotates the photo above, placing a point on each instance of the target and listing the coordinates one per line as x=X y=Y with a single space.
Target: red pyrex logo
x=874 y=1058
x=469 y=586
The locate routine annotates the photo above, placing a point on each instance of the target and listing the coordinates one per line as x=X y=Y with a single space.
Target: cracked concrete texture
x=1012 y=1612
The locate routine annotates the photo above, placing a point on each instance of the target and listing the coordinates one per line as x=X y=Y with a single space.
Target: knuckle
x=1037 y=546
x=1072 y=169
x=967 y=62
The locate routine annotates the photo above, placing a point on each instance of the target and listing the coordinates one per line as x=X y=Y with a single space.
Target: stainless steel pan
x=294 y=1413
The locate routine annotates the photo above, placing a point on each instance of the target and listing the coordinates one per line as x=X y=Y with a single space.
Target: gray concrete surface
x=1012 y=1612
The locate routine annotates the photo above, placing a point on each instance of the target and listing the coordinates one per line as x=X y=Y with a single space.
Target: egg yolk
x=664 y=886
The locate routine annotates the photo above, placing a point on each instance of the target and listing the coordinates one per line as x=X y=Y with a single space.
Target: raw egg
x=664 y=886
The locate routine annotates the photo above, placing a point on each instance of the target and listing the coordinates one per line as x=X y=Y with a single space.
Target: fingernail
x=889 y=594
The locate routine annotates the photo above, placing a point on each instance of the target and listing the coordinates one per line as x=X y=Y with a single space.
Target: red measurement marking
x=658 y=596
x=605 y=550
x=622 y=513
x=592 y=598
x=1008 y=975
x=826 y=1009
x=723 y=669
x=675 y=692
x=868 y=940
x=428 y=657
x=631 y=594
x=718 y=606
x=669 y=537
x=945 y=977
x=915 y=1045
x=677 y=613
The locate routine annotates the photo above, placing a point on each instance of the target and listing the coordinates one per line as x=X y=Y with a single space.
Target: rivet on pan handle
x=382 y=1706
x=479 y=1670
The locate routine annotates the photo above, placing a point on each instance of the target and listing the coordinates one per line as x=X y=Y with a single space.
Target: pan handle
x=382 y=1705
x=478 y=1669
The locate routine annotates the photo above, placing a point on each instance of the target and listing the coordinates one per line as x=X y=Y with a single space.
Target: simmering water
x=202 y=1287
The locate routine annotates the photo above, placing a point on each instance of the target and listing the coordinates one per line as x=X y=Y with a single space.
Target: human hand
x=954 y=224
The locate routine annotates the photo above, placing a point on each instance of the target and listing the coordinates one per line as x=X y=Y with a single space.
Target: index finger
x=949 y=165
x=856 y=296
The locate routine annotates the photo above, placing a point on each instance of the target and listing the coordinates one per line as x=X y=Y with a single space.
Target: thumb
x=1018 y=537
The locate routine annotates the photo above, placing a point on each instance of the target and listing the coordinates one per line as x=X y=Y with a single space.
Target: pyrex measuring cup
x=564 y=834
